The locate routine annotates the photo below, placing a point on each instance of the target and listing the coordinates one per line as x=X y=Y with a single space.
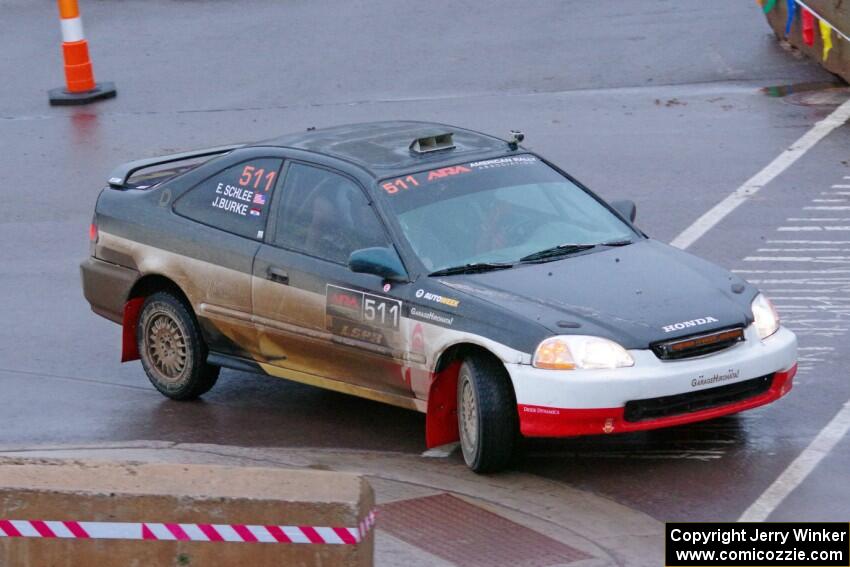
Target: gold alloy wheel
x=166 y=345
x=468 y=416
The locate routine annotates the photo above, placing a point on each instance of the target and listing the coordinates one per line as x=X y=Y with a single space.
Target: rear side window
x=235 y=200
x=325 y=215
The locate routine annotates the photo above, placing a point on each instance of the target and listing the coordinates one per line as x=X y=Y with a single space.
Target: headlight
x=765 y=315
x=576 y=351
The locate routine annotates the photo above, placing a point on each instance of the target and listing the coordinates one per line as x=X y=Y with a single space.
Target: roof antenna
x=515 y=139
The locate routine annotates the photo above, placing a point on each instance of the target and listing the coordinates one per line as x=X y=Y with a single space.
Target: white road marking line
x=829 y=271
x=838 y=283
x=839 y=320
x=753 y=185
x=806 y=322
x=811 y=228
x=837 y=192
x=673 y=454
x=441 y=452
x=831 y=333
x=779 y=291
x=834 y=310
x=823 y=259
x=829 y=200
x=811 y=297
x=803 y=250
x=828 y=208
x=808 y=241
x=791 y=312
x=842 y=186
x=800 y=468
x=818 y=219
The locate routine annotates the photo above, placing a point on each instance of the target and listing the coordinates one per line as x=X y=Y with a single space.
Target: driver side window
x=325 y=215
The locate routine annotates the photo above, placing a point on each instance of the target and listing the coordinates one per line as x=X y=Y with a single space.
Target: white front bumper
x=651 y=377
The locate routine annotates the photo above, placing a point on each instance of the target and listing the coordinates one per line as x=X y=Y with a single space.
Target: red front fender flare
x=441 y=420
x=129 y=345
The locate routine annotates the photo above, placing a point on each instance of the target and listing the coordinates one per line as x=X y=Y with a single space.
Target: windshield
x=497 y=210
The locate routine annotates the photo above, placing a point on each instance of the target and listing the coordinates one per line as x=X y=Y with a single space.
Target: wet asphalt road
x=657 y=101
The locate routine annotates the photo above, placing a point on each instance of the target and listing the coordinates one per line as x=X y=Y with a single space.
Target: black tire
x=488 y=446
x=172 y=349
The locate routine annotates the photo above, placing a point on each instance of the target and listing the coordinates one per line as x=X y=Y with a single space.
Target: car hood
x=635 y=295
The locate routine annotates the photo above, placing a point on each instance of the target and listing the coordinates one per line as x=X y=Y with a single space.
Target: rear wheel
x=487 y=416
x=172 y=349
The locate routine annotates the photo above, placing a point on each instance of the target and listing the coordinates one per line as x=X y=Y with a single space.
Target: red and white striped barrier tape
x=147 y=531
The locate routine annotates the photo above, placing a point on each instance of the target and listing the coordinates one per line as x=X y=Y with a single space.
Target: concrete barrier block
x=60 y=514
x=837 y=13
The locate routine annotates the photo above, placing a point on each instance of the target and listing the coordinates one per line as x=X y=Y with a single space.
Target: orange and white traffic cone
x=80 y=87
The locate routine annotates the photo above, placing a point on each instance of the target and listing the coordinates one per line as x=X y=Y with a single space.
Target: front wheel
x=172 y=349
x=487 y=415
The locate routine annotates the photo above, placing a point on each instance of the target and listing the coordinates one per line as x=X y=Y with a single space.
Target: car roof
x=384 y=147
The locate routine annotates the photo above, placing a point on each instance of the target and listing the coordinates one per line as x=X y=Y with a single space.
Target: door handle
x=277 y=275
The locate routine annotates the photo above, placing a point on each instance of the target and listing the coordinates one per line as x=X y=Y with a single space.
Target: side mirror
x=382 y=262
x=626 y=208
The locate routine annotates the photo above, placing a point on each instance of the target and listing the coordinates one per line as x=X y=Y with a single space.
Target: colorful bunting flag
x=826 y=36
x=768 y=6
x=808 y=27
x=792 y=11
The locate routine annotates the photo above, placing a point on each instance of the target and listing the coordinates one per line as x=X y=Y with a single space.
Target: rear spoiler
x=123 y=172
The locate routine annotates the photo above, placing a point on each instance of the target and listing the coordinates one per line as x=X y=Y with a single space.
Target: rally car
x=430 y=267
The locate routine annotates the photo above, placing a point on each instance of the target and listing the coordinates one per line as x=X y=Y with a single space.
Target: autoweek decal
x=422 y=294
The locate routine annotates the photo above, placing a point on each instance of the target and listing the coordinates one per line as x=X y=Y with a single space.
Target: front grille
x=666 y=406
x=698 y=345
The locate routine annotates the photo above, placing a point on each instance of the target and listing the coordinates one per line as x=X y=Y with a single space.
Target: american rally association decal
x=503 y=162
x=359 y=315
x=401 y=184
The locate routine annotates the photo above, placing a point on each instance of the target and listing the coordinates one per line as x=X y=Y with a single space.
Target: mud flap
x=441 y=420
x=129 y=346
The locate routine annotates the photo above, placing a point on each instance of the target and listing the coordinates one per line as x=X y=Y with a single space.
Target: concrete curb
x=837 y=13
x=87 y=513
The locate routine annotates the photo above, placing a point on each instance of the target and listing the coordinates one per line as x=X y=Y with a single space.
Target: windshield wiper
x=473 y=268
x=623 y=242
x=556 y=252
